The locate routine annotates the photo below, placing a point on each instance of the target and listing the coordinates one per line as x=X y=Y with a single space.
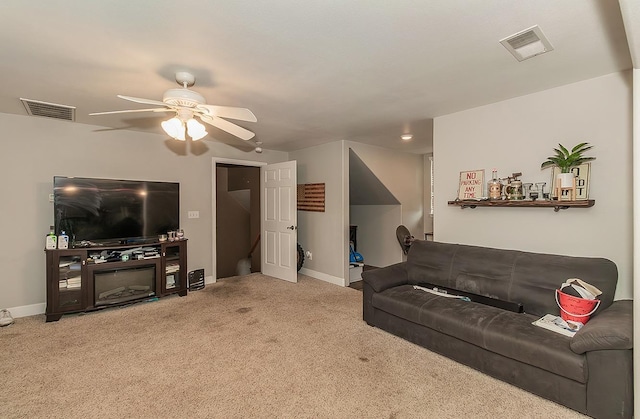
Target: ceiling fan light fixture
x=186 y=104
x=180 y=136
x=174 y=128
x=195 y=129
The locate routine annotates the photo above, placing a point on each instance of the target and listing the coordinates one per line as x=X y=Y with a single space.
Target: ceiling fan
x=187 y=104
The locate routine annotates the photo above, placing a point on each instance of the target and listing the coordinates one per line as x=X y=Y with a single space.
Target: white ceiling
x=311 y=71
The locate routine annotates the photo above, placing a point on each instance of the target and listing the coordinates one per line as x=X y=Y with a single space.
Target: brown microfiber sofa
x=591 y=372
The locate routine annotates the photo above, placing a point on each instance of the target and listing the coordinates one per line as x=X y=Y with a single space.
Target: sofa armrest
x=611 y=329
x=384 y=278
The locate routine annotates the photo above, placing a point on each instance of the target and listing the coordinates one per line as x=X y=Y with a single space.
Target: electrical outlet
x=308 y=255
x=193 y=214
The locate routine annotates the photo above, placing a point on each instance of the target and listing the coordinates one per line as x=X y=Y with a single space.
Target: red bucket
x=574 y=308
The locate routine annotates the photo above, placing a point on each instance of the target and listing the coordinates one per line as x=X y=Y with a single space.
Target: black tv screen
x=101 y=211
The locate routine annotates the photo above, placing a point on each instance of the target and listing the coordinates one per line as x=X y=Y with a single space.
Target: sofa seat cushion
x=503 y=332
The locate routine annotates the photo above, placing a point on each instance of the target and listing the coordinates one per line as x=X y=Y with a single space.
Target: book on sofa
x=556 y=324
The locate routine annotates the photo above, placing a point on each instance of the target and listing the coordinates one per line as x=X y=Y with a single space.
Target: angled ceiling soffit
x=364 y=186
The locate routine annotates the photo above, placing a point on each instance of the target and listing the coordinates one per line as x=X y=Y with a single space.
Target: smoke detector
x=527 y=43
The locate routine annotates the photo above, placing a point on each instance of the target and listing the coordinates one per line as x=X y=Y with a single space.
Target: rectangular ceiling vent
x=527 y=43
x=49 y=110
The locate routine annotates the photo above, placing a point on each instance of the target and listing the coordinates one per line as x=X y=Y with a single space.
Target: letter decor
x=471 y=184
x=311 y=197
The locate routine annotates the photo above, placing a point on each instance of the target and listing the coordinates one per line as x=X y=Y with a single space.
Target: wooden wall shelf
x=555 y=204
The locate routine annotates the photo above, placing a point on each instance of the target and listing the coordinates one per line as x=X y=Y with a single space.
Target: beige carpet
x=249 y=346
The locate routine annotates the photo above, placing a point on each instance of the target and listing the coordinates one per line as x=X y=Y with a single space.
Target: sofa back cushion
x=511 y=275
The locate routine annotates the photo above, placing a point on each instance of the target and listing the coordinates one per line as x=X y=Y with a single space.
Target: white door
x=279 y=220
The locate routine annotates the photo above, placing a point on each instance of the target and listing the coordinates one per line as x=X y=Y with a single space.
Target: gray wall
x=376 y=233
x=325 y=234
x=36 y=149
x=516 y=136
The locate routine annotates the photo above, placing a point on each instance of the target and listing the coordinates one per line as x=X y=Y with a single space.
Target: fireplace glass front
x=119 y=285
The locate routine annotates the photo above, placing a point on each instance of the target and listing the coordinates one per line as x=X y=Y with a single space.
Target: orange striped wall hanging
x=311 y=197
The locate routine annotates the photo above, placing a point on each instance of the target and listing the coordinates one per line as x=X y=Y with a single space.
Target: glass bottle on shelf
x=494 y=186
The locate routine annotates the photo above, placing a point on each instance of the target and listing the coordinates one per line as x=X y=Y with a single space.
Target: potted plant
x=565 y=160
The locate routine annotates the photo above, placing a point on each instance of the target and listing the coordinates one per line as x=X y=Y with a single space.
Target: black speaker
x=196 y=280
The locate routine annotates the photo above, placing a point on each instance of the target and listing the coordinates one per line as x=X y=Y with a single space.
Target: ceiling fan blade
x=134 y=110
x=141 y=100
x=230 y=127
x=241 y=114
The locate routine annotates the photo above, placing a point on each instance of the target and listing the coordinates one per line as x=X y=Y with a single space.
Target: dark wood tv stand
x=71 y=274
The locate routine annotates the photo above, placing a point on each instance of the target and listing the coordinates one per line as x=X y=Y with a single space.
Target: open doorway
x=237 y=218
x=374 y=215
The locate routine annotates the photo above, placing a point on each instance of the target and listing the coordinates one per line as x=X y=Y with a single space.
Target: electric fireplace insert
x=115 y=286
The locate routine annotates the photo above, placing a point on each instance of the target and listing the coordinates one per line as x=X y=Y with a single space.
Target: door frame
x=214 y=203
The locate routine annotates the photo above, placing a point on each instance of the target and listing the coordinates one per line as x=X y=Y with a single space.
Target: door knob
x=291 y=228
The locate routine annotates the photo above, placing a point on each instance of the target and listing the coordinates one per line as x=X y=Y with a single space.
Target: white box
x=355 y=272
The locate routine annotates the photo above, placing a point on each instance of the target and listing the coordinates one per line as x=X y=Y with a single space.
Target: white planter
x=566 y=179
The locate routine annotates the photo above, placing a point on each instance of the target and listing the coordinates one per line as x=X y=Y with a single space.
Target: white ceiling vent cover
x=49 y=110
x=527 y=43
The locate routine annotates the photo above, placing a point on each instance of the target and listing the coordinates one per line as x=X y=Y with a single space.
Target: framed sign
x=582 y=173
x=471 y=184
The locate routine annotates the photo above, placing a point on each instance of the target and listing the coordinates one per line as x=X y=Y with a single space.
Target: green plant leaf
x=581 y=148
x=565 y=160
x=565 y=152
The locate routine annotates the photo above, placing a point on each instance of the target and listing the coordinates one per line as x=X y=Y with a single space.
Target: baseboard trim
x=30 y=310
x=210 y=280
x=324 y=277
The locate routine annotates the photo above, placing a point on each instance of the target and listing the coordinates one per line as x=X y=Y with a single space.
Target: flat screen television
x=108 y=211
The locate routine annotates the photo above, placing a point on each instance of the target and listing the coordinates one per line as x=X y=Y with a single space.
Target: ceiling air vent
x=527 y=43
x=49 y=110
